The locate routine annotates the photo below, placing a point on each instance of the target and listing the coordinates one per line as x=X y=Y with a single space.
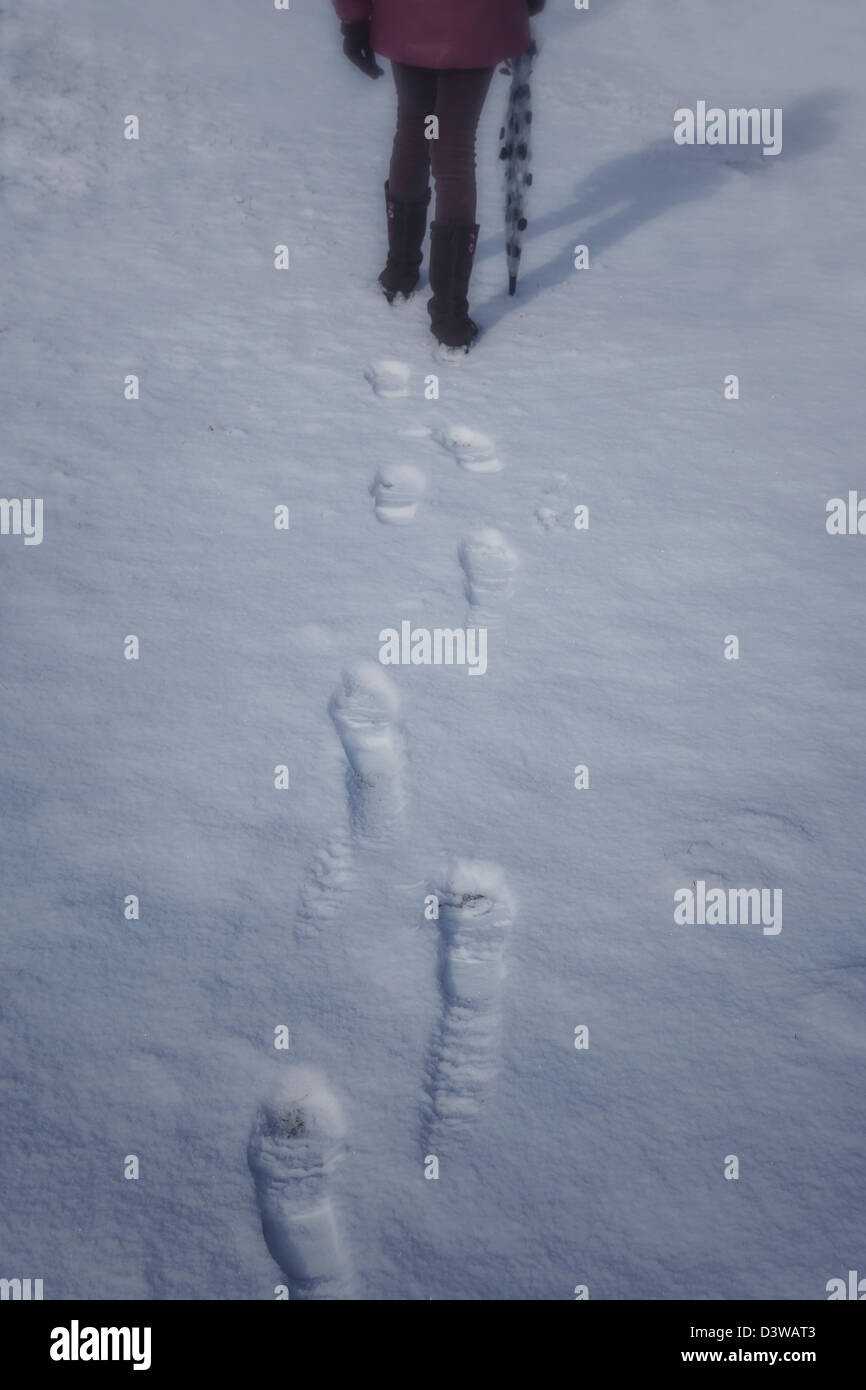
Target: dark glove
x=535 y=6
x=356 y=46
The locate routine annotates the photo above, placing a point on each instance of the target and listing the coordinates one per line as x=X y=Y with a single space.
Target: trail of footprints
x=488 y=562
x=297 y=1140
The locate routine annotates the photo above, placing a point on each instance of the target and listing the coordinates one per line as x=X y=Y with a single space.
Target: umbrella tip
x=512 y=284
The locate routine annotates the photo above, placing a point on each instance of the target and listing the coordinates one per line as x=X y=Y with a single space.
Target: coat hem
x=448 y=64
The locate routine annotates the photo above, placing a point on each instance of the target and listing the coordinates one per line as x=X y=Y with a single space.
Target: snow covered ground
x=558 y=1166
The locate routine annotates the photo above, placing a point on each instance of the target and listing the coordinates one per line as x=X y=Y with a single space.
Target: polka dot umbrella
x=516 y=153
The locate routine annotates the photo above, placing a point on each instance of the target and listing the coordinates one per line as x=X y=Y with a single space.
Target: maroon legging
x=455 y=96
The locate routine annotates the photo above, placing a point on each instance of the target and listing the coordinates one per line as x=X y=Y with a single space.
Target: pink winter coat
x=443 y=33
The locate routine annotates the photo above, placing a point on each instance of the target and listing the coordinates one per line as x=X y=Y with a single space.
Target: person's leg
x=407 y=192
x=460 y=97
x=409 y=174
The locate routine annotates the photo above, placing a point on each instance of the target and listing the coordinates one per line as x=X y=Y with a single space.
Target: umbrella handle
x=529 y=52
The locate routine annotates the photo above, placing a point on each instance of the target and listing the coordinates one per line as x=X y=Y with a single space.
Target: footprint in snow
x=548 y=519
x=489 y=564
x=742 y=846
x=324 y=887
x=550 y=514
x=364 y=711
x=469 y=448
x=388 y=378
x=295 y=1145
x=475 y=914
x=396 y=491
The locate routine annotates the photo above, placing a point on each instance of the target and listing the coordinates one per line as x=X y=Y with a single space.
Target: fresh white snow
x=305 y=907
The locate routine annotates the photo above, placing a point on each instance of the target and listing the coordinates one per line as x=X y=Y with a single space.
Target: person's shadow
x=620 y=196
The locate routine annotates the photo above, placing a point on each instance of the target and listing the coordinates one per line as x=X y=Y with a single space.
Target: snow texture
x=298 y=906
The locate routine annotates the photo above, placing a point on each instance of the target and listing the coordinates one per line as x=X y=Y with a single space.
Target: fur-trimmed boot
x=452 y=251
x=407 y=223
